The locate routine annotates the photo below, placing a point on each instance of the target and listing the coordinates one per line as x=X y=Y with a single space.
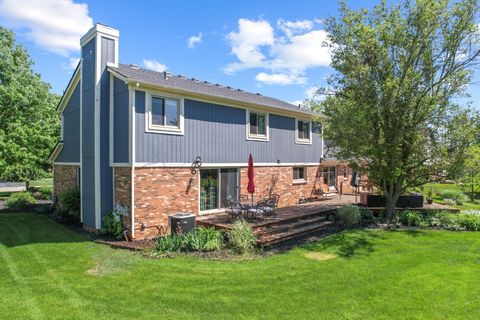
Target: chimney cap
x=99 y=28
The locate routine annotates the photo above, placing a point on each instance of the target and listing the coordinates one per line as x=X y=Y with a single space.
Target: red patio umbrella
x=251 y=184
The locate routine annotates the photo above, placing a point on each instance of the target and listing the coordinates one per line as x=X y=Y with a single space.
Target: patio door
x=216 y=185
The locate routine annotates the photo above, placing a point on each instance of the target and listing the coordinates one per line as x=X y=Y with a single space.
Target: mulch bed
x=136 y=245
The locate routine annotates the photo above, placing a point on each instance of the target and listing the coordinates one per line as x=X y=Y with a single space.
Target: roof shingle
x=164 y=79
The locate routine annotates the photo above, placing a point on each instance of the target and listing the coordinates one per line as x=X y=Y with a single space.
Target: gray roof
x=165 y=79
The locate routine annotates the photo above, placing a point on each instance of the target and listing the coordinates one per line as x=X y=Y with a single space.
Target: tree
x=469 y=180
x=29 y=124
x=398 y=68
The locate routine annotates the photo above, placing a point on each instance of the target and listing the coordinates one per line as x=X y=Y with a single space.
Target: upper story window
x=164 y=114
x=257 y=126
x=303 y=131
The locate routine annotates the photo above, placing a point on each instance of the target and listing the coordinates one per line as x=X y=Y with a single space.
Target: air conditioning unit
x=181 y=222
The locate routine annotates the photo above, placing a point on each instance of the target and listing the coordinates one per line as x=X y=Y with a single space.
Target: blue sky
x=271 y=47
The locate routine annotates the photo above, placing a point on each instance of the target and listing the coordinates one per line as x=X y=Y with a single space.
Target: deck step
x=269 y=230
x=271 y=239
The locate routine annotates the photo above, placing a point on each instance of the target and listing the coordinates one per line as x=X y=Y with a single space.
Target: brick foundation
x=122 y=191
x=64 y=178
x=160 y=192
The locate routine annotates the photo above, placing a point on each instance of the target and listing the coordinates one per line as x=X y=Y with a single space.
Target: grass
x=438 y=188
x=49 y=272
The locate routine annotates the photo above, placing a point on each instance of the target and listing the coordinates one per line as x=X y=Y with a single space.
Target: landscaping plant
x=411 y=218
x=200 y=239
x=20 y=200
x=241 y=237
x=348 y=216
x=454 y=197
x=69 y=203
x=113 y=221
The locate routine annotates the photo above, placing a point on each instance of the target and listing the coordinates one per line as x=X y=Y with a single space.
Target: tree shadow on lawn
x=17 y=229
x=347 y=244
x=355 y=243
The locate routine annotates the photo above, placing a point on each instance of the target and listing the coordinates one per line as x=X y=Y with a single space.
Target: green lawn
x=49 y=272
x=438 y=188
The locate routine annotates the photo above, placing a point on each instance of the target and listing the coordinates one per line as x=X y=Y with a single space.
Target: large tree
x=469 y=177
x=398 y=68
x=29 y=125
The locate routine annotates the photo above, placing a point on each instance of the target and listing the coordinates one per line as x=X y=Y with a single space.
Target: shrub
x=447 y=220
x=212 y=239
x=69 y=203
x=113 y=221
x=468 y=222
x=367 y=217
x=449 y=202
x=20 y=200
x=200 y=239
x=45 y=192
x=241 y=237
x=168 y=243
x=410 y=218
x=348 y=216
x=455 y=196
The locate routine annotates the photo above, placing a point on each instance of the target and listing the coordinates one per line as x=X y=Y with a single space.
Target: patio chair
x=232 y=208
x=258 y=210
x=270 y=204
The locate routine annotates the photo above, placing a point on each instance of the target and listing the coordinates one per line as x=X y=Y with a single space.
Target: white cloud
x=311 y=92
x=154 y=65
x=53 y=25
x=290 y=27
x=247 y=42
x=286 y=52
x=71 y=64
x=280 y=78
x=193 y=41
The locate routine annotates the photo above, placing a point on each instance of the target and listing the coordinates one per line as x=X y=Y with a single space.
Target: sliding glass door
x=216 y=185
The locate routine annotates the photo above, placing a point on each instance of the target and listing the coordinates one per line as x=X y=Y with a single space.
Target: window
x=303 y=132
x=257 y=126
x=329 y=176
x=299 y=174
x=164 y=114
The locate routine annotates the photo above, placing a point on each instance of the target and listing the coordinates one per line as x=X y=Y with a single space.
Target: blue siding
x=88 y=142
x=217 y=134
x=120 y=122
x=71 y=129
x=107 y=55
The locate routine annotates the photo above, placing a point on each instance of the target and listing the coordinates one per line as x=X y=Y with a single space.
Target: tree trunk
x=472 y=194
x=391 y=203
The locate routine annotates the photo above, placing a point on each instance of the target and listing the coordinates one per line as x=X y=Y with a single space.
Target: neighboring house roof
x=164 y=79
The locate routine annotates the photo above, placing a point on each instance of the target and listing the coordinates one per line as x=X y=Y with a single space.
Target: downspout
x=132 y=159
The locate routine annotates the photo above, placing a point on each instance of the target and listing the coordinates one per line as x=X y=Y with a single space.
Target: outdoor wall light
x=278 y=161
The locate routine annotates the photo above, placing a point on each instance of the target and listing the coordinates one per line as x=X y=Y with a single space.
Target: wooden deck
x=287 y=223
x=294 y=221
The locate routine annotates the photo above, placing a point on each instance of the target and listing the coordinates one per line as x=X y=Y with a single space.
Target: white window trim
x=297 y=139
x=62 y=125
x=300 y=181
x=149 y=127
x=257 y=137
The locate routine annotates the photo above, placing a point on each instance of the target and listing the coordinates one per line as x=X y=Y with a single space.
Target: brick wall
x=123 y=190
x=64 y=178
x=160 y=192
x=279 y=180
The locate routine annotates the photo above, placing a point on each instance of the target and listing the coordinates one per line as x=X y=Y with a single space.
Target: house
x=157 y=143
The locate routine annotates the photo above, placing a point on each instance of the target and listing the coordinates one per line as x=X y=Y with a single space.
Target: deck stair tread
x=270 y=239
x=290 y=225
